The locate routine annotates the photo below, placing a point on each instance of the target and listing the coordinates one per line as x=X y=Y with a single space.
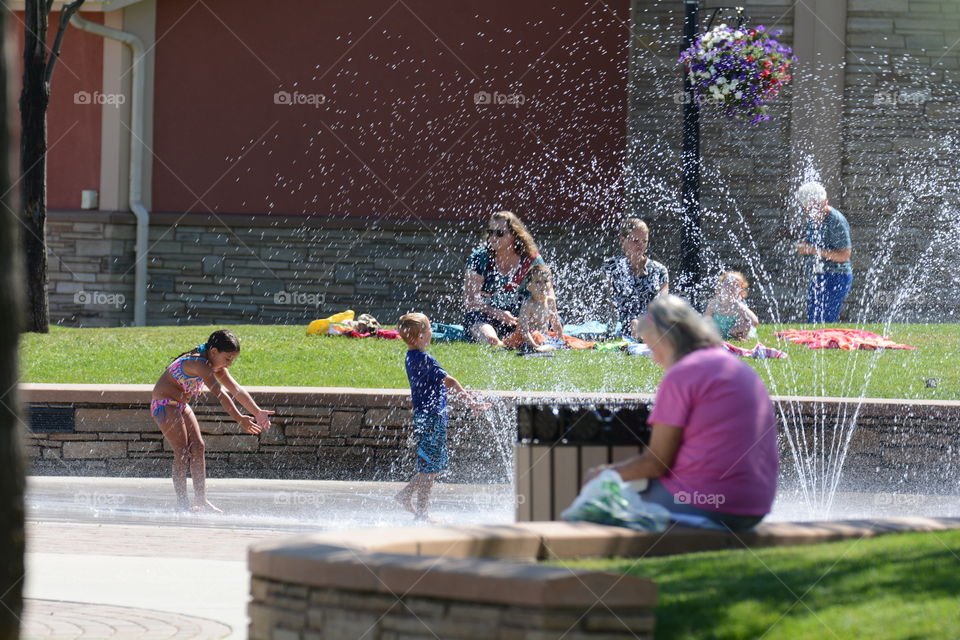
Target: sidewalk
x=108 y=558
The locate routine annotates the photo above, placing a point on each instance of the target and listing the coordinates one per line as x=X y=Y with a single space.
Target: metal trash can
x=557 y=444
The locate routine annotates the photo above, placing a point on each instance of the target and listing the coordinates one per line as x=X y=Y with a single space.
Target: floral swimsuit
x=192 y=386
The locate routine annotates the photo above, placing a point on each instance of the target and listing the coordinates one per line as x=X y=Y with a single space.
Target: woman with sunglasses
x=496 y=280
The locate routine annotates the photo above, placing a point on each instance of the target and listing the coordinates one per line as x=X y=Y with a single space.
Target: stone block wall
x=327 y=435
x=284 y=611
x=901 y=109
x=346 y=434
x=324 y=591
x=290 y=271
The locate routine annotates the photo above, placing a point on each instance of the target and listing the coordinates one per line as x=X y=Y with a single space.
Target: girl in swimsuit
x=183 y=381
x=728 y=309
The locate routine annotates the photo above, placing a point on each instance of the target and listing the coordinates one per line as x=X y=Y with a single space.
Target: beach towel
x=592 y=330
x=573 y=342
x=845 y=339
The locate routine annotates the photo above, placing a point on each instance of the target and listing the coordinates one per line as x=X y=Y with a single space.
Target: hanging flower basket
x=738 y=70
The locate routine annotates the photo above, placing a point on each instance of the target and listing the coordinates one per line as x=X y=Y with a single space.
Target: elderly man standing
x=826 y=249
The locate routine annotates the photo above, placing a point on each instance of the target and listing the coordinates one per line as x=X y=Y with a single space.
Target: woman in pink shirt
x=713 y=444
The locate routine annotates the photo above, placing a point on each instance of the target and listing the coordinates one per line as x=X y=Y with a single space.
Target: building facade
x=333 y=156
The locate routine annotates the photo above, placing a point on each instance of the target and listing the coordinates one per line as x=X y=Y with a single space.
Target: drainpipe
x=136 y=157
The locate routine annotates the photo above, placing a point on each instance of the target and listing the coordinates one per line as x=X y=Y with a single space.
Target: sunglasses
x=496 y=232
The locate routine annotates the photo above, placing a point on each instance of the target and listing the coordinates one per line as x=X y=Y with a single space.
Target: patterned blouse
x=632 y=294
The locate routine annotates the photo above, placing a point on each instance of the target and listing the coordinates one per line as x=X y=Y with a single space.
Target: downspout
x=137 y=145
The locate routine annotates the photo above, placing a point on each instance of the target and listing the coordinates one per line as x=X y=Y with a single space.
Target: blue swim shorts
x=430 y=431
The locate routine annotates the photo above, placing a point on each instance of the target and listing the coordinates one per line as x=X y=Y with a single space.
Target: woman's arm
x=244 y=398
x=473 y=299
x=654 y=462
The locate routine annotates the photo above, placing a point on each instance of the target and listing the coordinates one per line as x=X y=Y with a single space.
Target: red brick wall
x=73 y=130
x=399 y=133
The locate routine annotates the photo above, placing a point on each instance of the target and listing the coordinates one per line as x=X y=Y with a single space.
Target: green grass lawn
x=285 y=356
x=896 y=586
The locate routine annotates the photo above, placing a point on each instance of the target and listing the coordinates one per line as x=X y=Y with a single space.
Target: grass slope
x=896 y=586
x=285 y=356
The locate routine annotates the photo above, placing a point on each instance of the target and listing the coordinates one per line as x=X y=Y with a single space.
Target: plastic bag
x=608 y=500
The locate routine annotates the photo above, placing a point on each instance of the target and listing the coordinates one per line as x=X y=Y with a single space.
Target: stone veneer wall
x=292 y=611
x=900 y=157
x=241 y=269
x=348 y=434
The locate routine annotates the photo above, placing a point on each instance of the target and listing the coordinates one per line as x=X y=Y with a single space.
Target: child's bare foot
x=206 y=506
x=426 y=519
x=405 y=498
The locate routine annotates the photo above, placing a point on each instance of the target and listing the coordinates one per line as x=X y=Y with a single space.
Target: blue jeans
x=825 y=296
x=659 y=494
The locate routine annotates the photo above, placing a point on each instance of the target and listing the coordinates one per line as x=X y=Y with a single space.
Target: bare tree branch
x=65 y=15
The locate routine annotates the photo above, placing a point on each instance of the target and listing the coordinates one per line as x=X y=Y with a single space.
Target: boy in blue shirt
x=428 y=391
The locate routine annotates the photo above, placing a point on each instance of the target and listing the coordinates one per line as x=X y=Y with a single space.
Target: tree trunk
x=11 y=448
x=34 y=99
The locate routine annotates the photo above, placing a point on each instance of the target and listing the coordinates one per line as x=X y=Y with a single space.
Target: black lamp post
x=691 y=259
x=691 y=241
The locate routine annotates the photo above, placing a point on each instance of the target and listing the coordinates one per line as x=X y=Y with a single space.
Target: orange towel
x=574 y=343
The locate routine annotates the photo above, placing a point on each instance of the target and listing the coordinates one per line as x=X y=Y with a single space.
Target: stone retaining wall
x=465 y=582
x=293 y=611
x=350 y=434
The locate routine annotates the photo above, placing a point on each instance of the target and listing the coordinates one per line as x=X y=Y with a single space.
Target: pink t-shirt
x=727 y=460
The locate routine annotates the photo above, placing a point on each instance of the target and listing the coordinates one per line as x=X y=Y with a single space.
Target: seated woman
x=713 y=445
x=728 y=310
x=633 y=279
x=495 y=285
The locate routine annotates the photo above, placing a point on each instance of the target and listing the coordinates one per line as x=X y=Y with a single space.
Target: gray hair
x=680 y=324
x=811 y=193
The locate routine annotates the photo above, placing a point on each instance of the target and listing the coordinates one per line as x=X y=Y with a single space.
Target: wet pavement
x=112 y=558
